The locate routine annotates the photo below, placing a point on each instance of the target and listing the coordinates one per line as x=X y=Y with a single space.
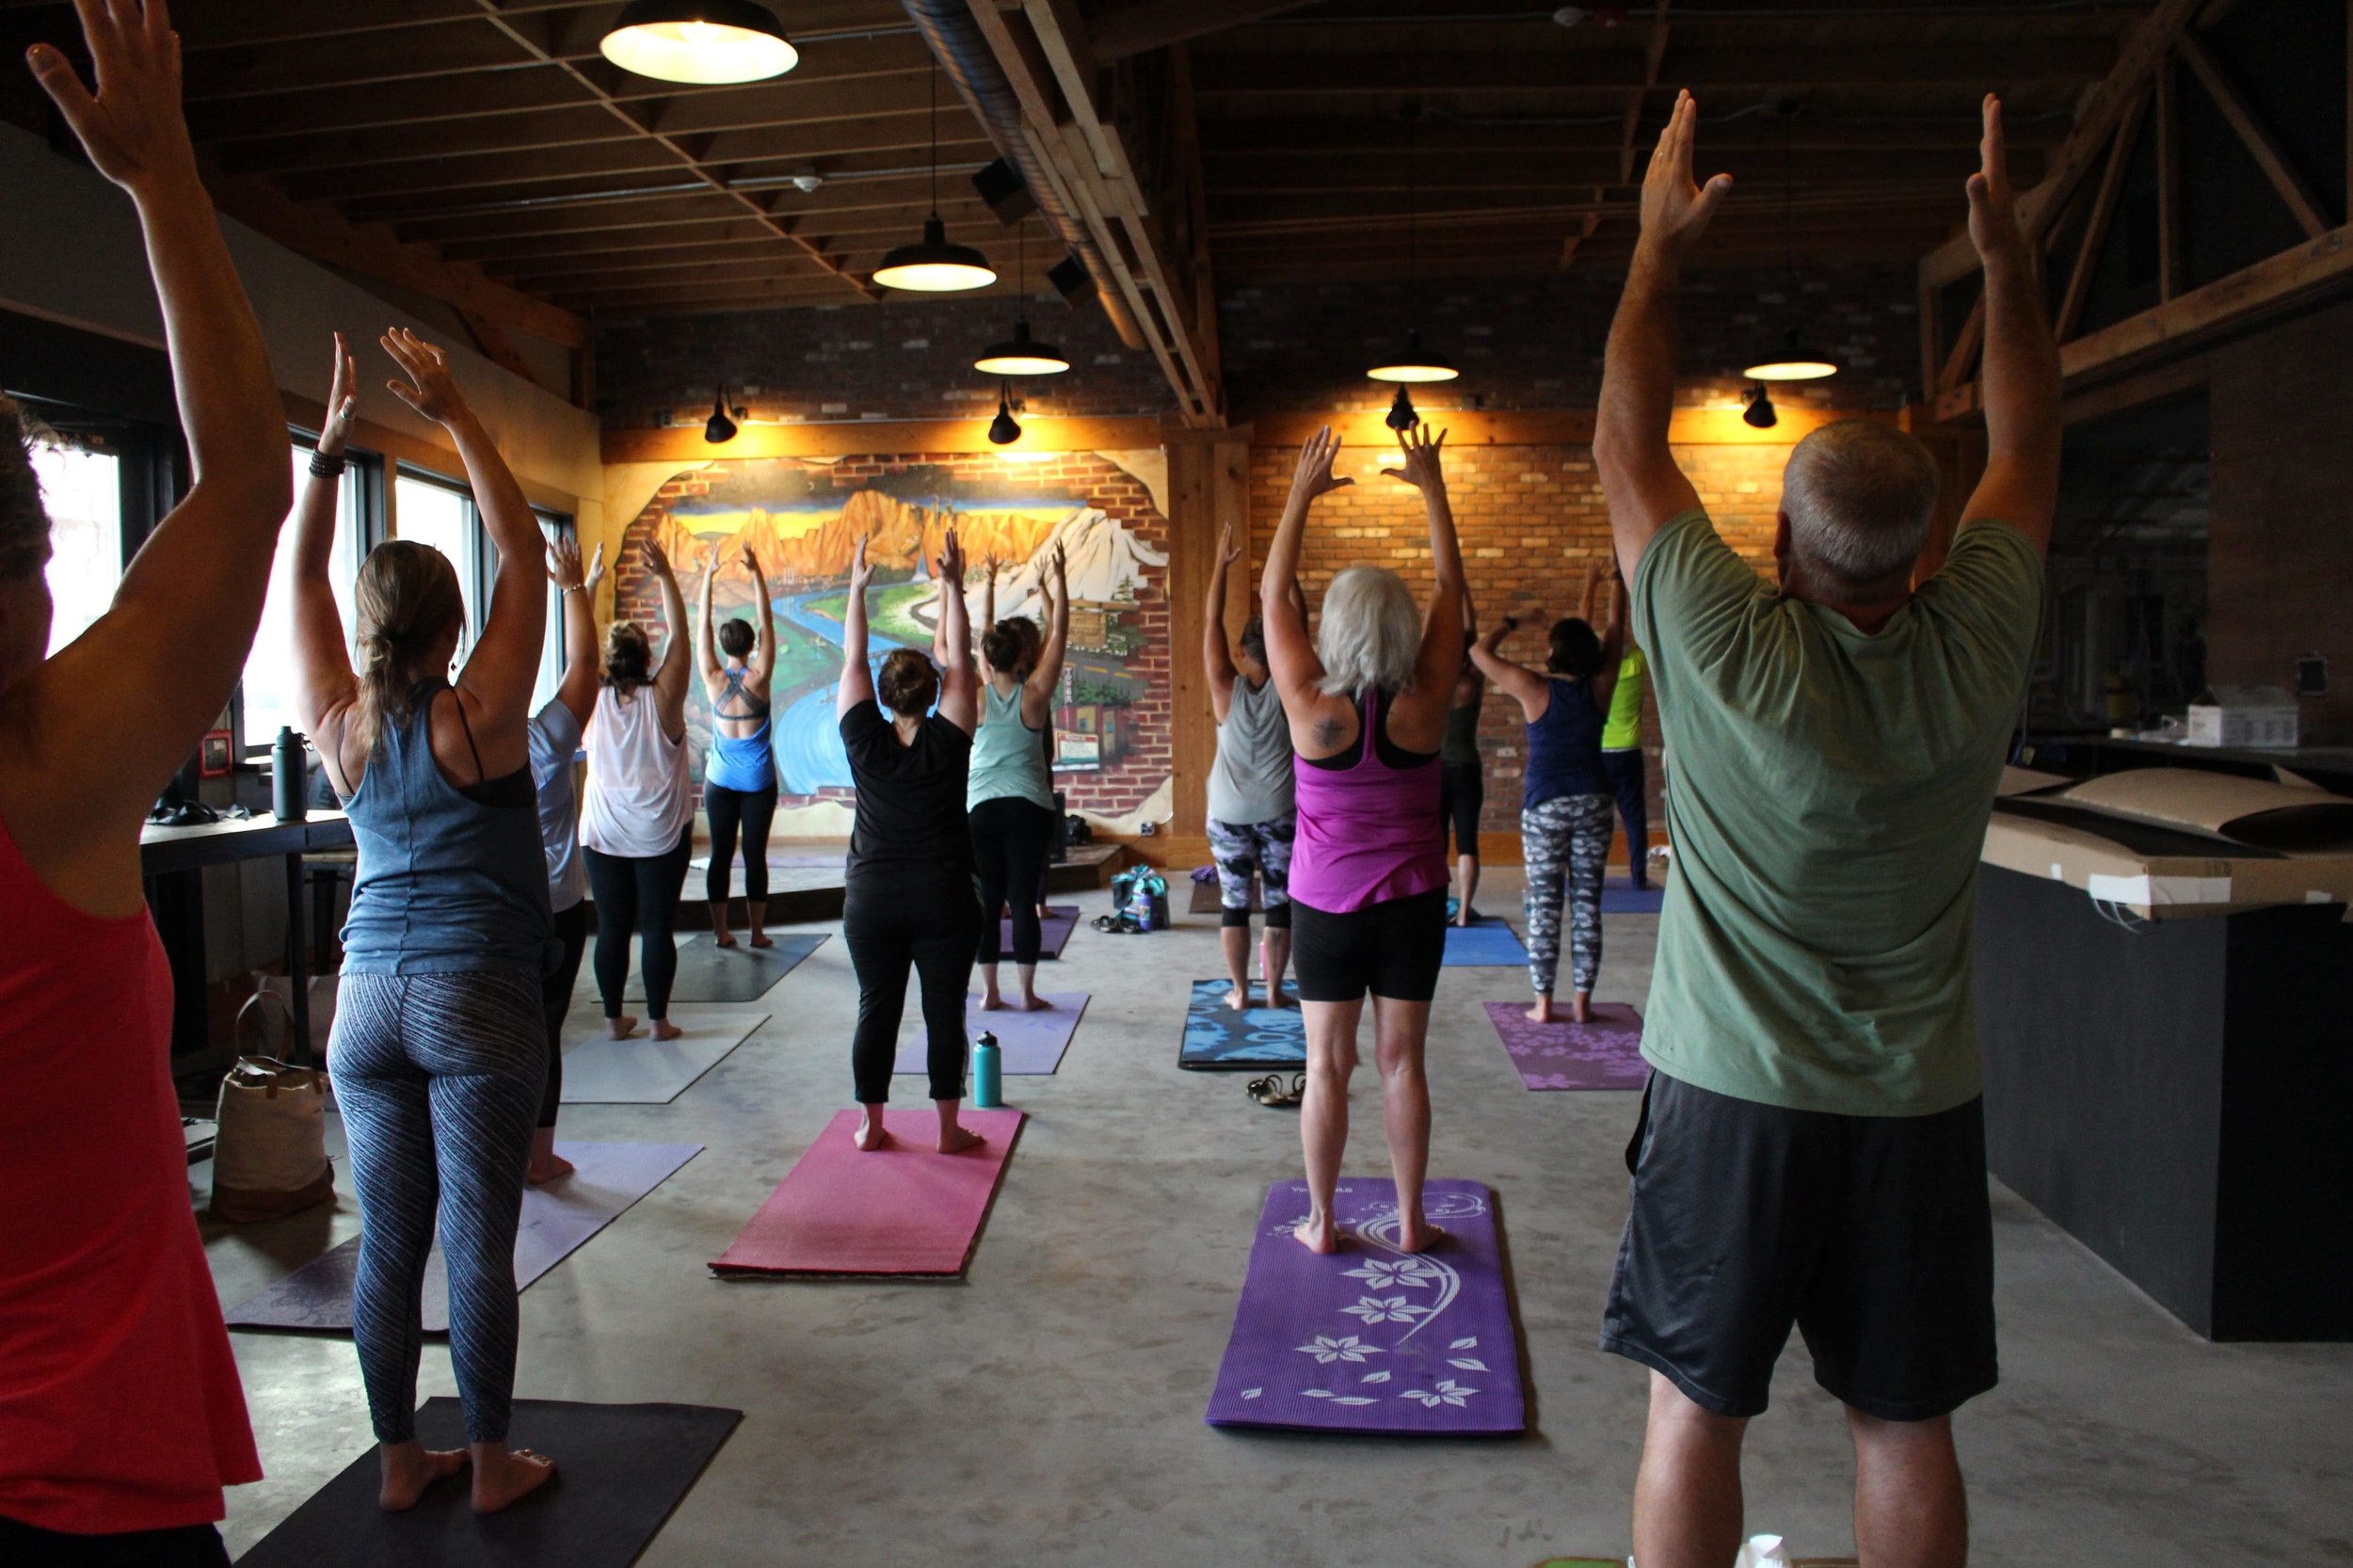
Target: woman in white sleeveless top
x=637 y=820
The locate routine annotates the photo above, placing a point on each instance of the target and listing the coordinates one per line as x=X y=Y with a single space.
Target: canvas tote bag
x=269 y=1157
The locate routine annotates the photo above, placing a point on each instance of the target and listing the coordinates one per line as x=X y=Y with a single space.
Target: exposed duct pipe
x=955 y=40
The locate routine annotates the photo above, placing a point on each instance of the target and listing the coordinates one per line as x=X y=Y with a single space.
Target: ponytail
x=405 y=600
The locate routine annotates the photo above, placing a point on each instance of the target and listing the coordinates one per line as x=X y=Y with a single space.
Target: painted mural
x=803 y=519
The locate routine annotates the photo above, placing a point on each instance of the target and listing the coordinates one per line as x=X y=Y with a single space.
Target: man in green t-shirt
x=1813 y=1147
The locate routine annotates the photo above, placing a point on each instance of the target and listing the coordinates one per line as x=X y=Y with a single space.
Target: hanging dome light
x=1004 y=429
x=1792 y=363
x=1403 y=416
x=931 y=264
x=1760 y=413
x=1021 y=355
x=703 y=42
x=719 y=427
x=1415 y=365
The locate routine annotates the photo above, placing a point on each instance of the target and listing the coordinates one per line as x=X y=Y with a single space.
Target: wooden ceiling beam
x=535 y=180
x=1758 y=173
x=1464 y=73
x=1159 y=23
x=1234 y=139
x=690 y=204
x=2256 y=137
x=218 y=25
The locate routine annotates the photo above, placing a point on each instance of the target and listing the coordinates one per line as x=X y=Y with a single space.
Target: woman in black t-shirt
x=911 y=900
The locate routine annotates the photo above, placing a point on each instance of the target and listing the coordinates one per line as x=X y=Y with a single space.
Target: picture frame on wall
x=213 y=754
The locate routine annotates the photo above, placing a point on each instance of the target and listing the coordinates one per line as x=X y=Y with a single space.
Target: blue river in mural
x=807 y=736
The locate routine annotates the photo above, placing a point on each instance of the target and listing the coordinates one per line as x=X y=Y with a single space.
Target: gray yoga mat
x=1031 y=1044
x=642 y=1070
x=620 y=1471
x=708 y=972
x=557 y=1220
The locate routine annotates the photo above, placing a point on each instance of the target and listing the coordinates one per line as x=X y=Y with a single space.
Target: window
x=430 y=512
x=82 y=490
x=269 y=686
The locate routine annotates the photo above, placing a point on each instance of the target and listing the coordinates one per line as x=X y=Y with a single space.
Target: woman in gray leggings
x=438 y=1053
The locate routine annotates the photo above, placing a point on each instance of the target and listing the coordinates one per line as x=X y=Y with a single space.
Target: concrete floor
x=1047 y=1410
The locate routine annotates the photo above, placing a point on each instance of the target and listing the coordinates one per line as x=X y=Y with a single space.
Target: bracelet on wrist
x=327 y=465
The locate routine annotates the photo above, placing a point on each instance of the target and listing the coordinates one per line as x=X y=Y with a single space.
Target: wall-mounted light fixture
x=1004 y=429
x=1760 y=412
x=699 y=42
x=719 y=428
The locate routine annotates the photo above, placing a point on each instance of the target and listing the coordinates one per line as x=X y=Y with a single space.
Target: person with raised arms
x=740 y=772
x=120 y=1415
x=1251 y=822
x=1365 y=699
x=1010 y=794
x=1812 y=1147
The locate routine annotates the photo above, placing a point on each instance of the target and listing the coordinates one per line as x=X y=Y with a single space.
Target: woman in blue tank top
x=740 y=774
x=440 y=1051
x=1566 y=809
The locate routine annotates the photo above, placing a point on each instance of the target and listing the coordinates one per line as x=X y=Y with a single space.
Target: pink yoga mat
x=901 y=1211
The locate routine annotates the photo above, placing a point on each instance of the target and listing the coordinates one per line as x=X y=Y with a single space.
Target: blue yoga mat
x=1485 y=943
x=1217 y=1038
x=1619 y=898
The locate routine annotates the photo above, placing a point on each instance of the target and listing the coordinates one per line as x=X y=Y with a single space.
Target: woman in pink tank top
x=121 y=1416
x=1367 y=699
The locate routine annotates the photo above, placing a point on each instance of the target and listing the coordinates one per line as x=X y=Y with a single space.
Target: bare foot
x=409 y=1468
x=761 y=939
x=1582 y=1009
x=500 y=1480
x=956 y=1140
x=725 y=940
x=1542 y=1013
x=871 y=1136
x=664 y=1030
x=992 y=1003
x=1318 y=1234
x=1463 y=921
x=619 y=1029
x=1420 y=1236
x=544 y=1169
x=1035 y=1003
x=1237 y=1000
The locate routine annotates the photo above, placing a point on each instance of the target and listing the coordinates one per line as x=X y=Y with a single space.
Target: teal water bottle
x=988 y=1083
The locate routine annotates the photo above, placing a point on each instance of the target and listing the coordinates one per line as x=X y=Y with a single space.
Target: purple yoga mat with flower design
x=1605 y=1053
x=1371 y=1339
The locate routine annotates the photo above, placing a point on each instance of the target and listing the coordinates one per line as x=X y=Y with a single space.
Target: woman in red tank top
x=121 y=1416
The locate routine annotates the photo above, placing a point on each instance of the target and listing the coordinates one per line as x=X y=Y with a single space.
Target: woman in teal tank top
x=1011 y=795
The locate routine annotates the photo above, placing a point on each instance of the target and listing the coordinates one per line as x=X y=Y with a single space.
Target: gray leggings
x=1565 y=841
x=439 y=1077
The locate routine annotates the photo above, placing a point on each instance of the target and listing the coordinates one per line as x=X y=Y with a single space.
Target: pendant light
x=1794 y=362
x=1760 y=414
x=1004 y=429
x=1413 y=367
x=931 y=264
x=719 y=428
x=1021 y=354
x=703 y=42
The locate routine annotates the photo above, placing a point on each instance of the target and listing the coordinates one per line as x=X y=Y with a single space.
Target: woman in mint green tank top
x=1011 y=795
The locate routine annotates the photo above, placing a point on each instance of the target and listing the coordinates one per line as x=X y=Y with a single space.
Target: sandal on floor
x=1118 y=925
x=1269 y=1092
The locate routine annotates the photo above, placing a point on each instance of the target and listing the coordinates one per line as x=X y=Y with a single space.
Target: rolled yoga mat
x=1032 y=1042
x=1371 y=1339
x=1487 y=942
x=903 y=1210
x=642 y=1070
x=1053 y=933
x=1218 y=1039
x=708 y=972
x=620 y=1471
x=1603 y=1054
x=557 y=1220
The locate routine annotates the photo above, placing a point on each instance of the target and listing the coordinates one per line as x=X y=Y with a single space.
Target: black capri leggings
x=1010 y=838
x=753 y=809
x=638 y=892
x=925 y=918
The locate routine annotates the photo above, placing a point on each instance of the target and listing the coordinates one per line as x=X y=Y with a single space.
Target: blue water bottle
x=988 y=1083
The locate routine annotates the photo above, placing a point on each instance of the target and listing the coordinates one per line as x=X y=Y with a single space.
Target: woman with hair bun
x=1565 y=805
x=440 y=1051
x=1011 y=795
x=740 y=772
x=637 y=820
x=910 y=900
x=1367 y=702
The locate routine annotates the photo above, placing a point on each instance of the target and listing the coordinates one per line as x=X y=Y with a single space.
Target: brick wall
x=897 y=359
x=1529 y=519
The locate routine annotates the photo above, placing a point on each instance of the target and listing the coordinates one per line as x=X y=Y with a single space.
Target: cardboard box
x=2242 y=716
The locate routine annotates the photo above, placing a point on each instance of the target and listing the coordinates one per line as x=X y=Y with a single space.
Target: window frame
x=477 y=568
x=363 y=494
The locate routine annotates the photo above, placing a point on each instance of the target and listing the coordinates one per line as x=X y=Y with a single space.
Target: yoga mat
x=1487 y=942
x=1370 y=1339
x=903 y=1210
x=1030 y=1044
x=1054 y=933
x=708 y=972
x=642 y=1070
x=620 y=1470
x=1218 y=1039
x=1603 y=1054
x=1618 y=899
x=557 y=1220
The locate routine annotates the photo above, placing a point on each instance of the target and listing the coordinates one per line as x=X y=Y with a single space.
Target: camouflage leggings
x=1565 y=841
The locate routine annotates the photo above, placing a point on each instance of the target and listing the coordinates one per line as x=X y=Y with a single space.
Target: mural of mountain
x=902 y=538
x=1104 y=557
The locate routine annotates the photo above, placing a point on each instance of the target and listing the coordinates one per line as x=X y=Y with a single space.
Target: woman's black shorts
x=1391 y=949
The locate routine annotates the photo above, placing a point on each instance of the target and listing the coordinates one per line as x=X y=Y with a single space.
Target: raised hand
x=1227 y=551
x=949 y=569
x=1675 y=211
x=1061 y=573
x=1420 y=451
x=430 y=389
x=132 y=126
x=1992 y=205
x=861 y=570
x=595 y=569
x=751 y=561
x=657 y=560
x=564 y=564
x=1313 y=476
x=342 y=398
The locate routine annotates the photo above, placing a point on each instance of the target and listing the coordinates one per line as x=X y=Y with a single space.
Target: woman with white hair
x=1366 y=703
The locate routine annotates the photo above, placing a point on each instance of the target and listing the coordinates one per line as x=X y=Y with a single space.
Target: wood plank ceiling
x=485 y=146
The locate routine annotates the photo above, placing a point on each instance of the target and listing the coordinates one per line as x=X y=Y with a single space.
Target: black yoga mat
x=708 y=972
x=620 y=1469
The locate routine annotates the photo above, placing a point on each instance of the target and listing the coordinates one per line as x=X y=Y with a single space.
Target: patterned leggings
x=439 y=1077
x=1565 y=840
x=1263 y=847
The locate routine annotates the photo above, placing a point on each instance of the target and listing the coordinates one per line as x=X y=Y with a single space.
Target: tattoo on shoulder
x=1327 y=733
